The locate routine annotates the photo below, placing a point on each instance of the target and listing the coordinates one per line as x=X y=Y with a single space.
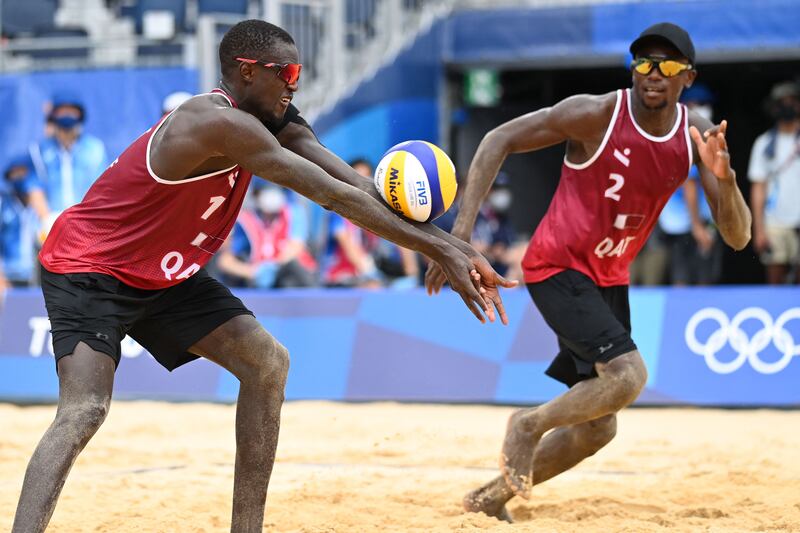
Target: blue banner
x=711 y=346
x=731 y=347
x=552 y=34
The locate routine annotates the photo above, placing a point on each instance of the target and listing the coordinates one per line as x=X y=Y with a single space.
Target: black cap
x=671 y=33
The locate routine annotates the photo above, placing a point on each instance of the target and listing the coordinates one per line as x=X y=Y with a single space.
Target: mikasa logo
x=394 y=178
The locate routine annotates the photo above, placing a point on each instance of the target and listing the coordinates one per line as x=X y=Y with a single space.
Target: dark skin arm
x=302 y=141
x=580 y=120
x=206 y=135
x=727 y=204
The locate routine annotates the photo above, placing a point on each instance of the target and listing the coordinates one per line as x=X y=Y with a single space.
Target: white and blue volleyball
x=417 y=179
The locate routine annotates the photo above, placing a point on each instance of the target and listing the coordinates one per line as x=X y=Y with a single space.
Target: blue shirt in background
x=18 y=227
x=66 y=175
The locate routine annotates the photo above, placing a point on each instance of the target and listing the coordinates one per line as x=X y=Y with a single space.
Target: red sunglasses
x=288 y=72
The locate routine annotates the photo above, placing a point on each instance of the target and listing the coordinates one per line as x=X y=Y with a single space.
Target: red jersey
x=604 y=209
x=147 y=232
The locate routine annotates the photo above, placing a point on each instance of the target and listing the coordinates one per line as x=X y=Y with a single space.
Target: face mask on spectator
x=271 y=200
x=704 y=111
x=15 y=176
x=500 y=200
x=786 y=111
x=66 y=122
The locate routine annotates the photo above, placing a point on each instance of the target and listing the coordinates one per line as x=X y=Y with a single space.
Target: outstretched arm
x=243 y=139
x=302 y=141
x=728 y=207
x=579 y=119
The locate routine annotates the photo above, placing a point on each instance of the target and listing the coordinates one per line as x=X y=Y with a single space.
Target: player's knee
x=636 y=376
x=279 y=360
x=272 y=362
x=256 y=355
x=629 y=375
x=84 y=418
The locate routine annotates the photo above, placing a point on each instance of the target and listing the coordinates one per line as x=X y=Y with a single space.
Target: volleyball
x=417 y=179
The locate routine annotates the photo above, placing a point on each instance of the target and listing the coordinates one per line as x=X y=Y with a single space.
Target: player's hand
x=465 y=280
x=491 y=282
x=713 y=150
x=434 y=278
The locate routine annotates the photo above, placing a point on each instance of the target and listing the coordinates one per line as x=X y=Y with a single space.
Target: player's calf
x=595 y=434
x=261 y=364
x=75 y=424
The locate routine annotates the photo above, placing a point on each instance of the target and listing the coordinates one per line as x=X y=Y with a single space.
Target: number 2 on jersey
x=619 y=181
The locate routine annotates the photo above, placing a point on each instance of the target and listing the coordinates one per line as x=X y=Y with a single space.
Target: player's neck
x=232 y=92
x=656 y=122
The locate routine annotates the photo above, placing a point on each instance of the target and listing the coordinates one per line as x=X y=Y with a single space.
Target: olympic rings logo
x=748 y=348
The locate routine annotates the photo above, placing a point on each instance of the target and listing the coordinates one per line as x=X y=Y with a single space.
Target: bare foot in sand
x=490 y=499
x=516 y=460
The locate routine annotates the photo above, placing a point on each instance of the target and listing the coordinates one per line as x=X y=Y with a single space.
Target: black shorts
x=593 y=324
x=100 y=310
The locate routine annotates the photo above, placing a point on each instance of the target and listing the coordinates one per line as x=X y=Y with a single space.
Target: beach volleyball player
x=129 y=260
x=627 y=151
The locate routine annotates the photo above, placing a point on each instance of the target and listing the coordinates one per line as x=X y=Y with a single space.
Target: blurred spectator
x=69 y=162
x=493 y=234
x=399 y=266
x=22 y=207
x=693 y=250
x=448 y=219
x=708 y=244
x=775 y=192
x=267 y=248
x=650 y=266
x=707 y=247
x=347 y=261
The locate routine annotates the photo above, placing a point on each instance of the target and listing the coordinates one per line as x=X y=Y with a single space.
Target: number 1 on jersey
x=216 y=201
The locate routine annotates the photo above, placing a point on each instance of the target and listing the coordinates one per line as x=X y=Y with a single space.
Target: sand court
x=159 y=466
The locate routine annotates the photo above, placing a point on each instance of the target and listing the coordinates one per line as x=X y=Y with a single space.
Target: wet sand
x=161 y=467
